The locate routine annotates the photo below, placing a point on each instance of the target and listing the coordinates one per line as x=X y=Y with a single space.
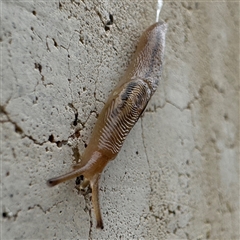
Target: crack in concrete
x=96 y=82
x=188 y=105
x=42 y=209
x=91 y=225
x=14 y=73
x=155 y=108
x=145 y=150
x=149 y=168
x=87 y=207
x=8 y=214
x=20 y=131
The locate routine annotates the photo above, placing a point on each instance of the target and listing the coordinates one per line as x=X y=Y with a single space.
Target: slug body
x=122 y=110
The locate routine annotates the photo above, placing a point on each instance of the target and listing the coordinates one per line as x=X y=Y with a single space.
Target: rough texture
x=177 y=176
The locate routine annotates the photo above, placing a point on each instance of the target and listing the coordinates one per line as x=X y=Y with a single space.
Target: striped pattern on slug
x=121 y=111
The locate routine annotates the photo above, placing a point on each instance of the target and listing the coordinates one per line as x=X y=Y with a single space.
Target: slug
x=121 y=111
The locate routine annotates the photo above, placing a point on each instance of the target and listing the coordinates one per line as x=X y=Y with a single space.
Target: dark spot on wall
x=34 y=12
x=79 y=179
x=171 y=212
x=51 y=138
x=55 y=43
x=107 y=28
x=60 y=5
x=18 y=129
x=109 y=23
x=77 y=134
x=76 y=119
x=226 y=116
x=4 y=214
x=39 y=67
x=111 y=18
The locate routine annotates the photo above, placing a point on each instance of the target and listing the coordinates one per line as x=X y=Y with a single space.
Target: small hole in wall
x=75 y=120
x=77 y=134
x=81 y=39
x=85 y=145
x=55 y=43
x=7 y=173
x=79 y=179
x=34 y=12
x=107 y=28
x=38 y=66
x=4 y=214
x=51 y=138
x=226 y=116
x=111 y=19
x=109 y=23
x=137 y=152
x=59 y=144
x=18 y=129
x=171 y=212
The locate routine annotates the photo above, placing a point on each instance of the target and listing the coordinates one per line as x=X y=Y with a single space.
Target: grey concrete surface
x=177 y=175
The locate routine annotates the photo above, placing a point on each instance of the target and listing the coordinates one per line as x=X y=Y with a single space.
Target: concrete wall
x=177 y=175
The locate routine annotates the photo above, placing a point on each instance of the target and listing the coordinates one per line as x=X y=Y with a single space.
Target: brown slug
x=121 y=111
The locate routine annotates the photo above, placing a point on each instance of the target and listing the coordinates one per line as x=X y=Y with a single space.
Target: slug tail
x=63 y=178
x=95 y=200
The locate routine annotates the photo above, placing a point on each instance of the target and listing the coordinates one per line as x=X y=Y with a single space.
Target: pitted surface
x=177 y=175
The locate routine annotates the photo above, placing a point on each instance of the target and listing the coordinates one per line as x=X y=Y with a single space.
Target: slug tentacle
x=95 y=200
x=63 y=178
x=120 y=113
